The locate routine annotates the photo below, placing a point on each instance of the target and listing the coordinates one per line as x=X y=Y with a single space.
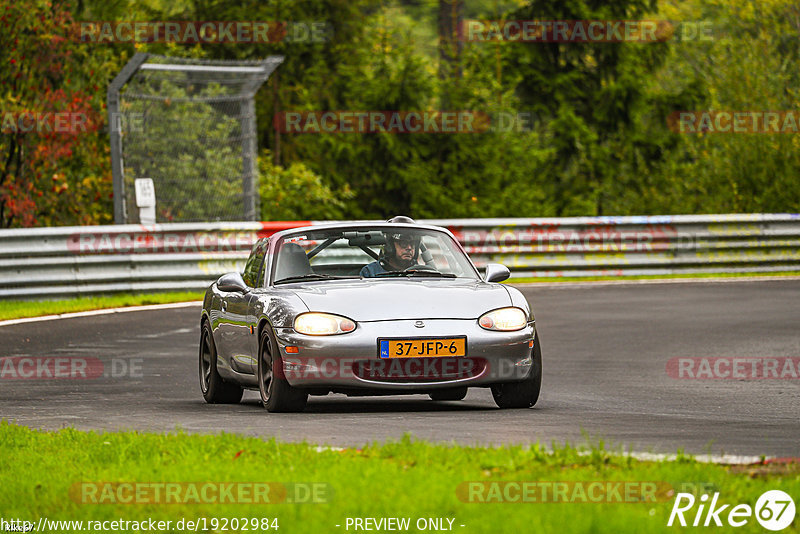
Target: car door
x=236 y=321
x=254 y=305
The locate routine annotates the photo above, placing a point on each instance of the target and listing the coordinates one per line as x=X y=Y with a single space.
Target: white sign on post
x=146 y=200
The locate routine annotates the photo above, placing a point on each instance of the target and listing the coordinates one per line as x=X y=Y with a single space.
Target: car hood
x=415 y=298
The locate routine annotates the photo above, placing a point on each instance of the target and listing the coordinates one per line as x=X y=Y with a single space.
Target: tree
x=54 y=166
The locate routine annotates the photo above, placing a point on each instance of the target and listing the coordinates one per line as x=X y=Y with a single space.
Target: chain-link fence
x=189 y=125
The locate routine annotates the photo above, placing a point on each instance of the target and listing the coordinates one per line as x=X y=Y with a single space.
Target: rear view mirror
x=231 y=283
x=496 y=272
x=365 y=239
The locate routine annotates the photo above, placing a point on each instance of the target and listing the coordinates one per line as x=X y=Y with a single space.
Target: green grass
x=16 y=309
x=528 y=280
x=396 y=479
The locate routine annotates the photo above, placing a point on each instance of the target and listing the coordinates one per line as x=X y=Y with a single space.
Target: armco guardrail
x=65 y=261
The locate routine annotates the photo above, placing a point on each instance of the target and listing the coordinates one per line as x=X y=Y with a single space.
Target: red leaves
x=19 y=205
x=66 y=138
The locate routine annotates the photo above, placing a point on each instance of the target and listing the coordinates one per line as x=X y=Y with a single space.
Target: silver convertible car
x=366 y=309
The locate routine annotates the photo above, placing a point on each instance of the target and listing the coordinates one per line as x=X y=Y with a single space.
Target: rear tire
x=452 y=394
x=522 y=394
x=215 y=390
x=276 y=394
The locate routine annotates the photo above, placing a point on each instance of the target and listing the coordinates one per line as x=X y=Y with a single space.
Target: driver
x=399 y=253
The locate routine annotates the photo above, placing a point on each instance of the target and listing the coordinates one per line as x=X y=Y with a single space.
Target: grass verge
x=58 y=475
x=18 y=309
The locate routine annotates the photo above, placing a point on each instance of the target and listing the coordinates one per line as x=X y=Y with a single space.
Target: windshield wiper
x=313 y=276
x=417 y=272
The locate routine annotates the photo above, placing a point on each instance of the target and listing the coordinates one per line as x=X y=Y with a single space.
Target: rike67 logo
x=774 y=510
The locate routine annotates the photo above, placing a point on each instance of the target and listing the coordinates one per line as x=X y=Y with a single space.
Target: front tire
x=215 y=390
x=522 y=394
x=276 y=393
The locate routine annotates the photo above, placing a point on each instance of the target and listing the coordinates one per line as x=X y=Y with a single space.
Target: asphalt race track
x=605 y=353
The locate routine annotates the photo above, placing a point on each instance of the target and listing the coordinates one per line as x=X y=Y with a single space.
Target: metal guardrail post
x=249 y=144
x=115 y=133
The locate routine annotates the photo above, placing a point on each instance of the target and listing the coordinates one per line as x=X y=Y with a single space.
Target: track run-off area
x=697 y=366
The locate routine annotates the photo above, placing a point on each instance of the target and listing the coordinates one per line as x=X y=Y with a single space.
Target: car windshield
x=369 y=252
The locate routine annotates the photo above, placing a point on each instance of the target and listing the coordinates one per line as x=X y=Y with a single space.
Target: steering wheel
x=420 y=267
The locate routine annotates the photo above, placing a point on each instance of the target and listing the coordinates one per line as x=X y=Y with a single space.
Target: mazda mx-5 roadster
x=366 y=309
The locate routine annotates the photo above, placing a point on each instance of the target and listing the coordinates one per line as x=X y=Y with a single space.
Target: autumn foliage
x=54 y=165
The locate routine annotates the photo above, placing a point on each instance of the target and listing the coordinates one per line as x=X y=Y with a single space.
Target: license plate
x=423 y=348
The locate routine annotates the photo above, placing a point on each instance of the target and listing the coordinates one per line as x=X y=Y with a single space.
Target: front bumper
x=352 y=361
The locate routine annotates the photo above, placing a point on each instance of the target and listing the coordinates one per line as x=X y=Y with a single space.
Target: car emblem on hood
x=419 y=324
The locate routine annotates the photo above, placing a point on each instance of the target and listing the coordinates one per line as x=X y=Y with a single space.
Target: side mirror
x=496 y=272
x=232 y=283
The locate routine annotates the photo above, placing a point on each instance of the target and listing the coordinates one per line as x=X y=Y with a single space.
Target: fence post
x=115 y=133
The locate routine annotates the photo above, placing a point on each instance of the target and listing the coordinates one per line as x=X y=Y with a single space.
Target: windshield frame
x=277 y=239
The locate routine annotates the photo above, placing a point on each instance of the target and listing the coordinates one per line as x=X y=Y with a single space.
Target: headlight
x=504 y=319
x=323 y=324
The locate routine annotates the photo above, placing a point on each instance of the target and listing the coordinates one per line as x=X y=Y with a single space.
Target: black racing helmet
x=402 y=219
x=401 y=235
